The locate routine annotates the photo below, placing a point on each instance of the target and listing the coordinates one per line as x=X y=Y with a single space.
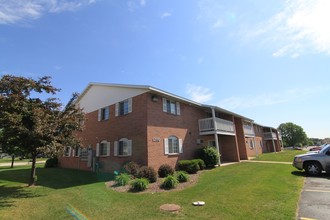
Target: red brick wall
x=162 y=125
x=228 y=149
x=131 y=126
x=240 y=138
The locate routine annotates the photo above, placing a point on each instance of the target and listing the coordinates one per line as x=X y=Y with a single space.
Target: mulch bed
x=156 y=186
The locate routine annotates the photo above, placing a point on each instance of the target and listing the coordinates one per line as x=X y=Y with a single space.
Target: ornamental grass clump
x=122 y=179
x=139 y=184
x=170 y=182
x=182 y=176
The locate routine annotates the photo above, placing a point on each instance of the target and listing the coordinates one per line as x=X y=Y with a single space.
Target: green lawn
x=239 y=191
x=8 y=160
x=283 y=156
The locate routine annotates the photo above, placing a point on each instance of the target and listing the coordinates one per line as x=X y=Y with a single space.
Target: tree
x=292 y=134
x=33 y=125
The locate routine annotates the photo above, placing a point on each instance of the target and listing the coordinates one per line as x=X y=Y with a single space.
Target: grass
x=8 y=160
x=240 y=191
x=283 y=156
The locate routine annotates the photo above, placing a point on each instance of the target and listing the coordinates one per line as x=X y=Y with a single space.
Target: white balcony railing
x=270 y=135
x=248 y=130
x=207 y=124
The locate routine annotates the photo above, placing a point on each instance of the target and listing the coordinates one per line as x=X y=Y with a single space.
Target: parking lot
x=315 y=198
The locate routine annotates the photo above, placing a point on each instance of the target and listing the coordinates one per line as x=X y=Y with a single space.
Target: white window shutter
x=178 y=111
x=79 y=150
x=70 y=149
x=108 y=148
x=73 y=152
x=117 y=109
x=166 y=145
x=180 y=146
x=116 y=148
x=164 y=105
x=129 y=105
x=97 y=149
x=99 y=115
x=129 y=145
x=107 y=113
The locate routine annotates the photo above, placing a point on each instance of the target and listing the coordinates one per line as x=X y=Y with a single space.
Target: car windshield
x=325 y=148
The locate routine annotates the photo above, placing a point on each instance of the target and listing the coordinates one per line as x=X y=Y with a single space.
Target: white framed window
x=104 y=114
x=103 y=149
x=251 y=144
x=173 y=145
x=123 y=147
x=171 y=107
x=67 y=151
x=124 y=107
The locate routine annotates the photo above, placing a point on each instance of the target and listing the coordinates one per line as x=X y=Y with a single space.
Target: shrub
x=51 y=162
x=165 y=170
x=201 y=163
x=190 y=166
x=170 y=182
x=182 y=176
x=139 y=184
x=132 y=168
x=209 y=155
x=148 y=173
x=122 y=179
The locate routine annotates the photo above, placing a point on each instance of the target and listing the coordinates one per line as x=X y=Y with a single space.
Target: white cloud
x=166 y=14
x=199 y=93
x=12 y=12
x=269 y=98
x=135 y=4
x=301 y=27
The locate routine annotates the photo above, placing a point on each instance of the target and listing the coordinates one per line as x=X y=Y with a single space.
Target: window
x=103 y=149
x=104 y=114
x=84 y=154
x=211 y=144
x=173 y=145
x=67 y=151
x=123 y=147
x=124 y=107
x=171 y=107
x=251 y=144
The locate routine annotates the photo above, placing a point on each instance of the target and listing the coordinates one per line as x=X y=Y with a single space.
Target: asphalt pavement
x=314 y=203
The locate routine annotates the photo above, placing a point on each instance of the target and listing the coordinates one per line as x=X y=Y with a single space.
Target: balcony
x=248 y=130
x=206 y=126
x=270 y=136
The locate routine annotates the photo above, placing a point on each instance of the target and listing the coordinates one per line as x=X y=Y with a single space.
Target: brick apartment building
x=153 y=127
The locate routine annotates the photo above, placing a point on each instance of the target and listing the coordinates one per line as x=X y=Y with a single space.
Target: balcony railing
x=270 y=135
x=248 y=130
x=222 y=125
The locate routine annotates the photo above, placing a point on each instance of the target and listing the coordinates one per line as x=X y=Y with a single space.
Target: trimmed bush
x=209 y=155
x=148 y=173
x=132 y=168
x=170 y=182
x=165 y=170
x=122 y=179
x=51 y=162
x=139 y=184
x=190 y=166
x=201 y=163
x=182 y=176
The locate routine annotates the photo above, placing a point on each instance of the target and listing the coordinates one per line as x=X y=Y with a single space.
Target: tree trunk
x=33 y=171
x=12 y=161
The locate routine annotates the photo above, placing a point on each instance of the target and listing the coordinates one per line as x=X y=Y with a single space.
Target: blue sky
x=266 y=60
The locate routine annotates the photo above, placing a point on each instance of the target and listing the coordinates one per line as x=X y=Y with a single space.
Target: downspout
x=215 y=134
